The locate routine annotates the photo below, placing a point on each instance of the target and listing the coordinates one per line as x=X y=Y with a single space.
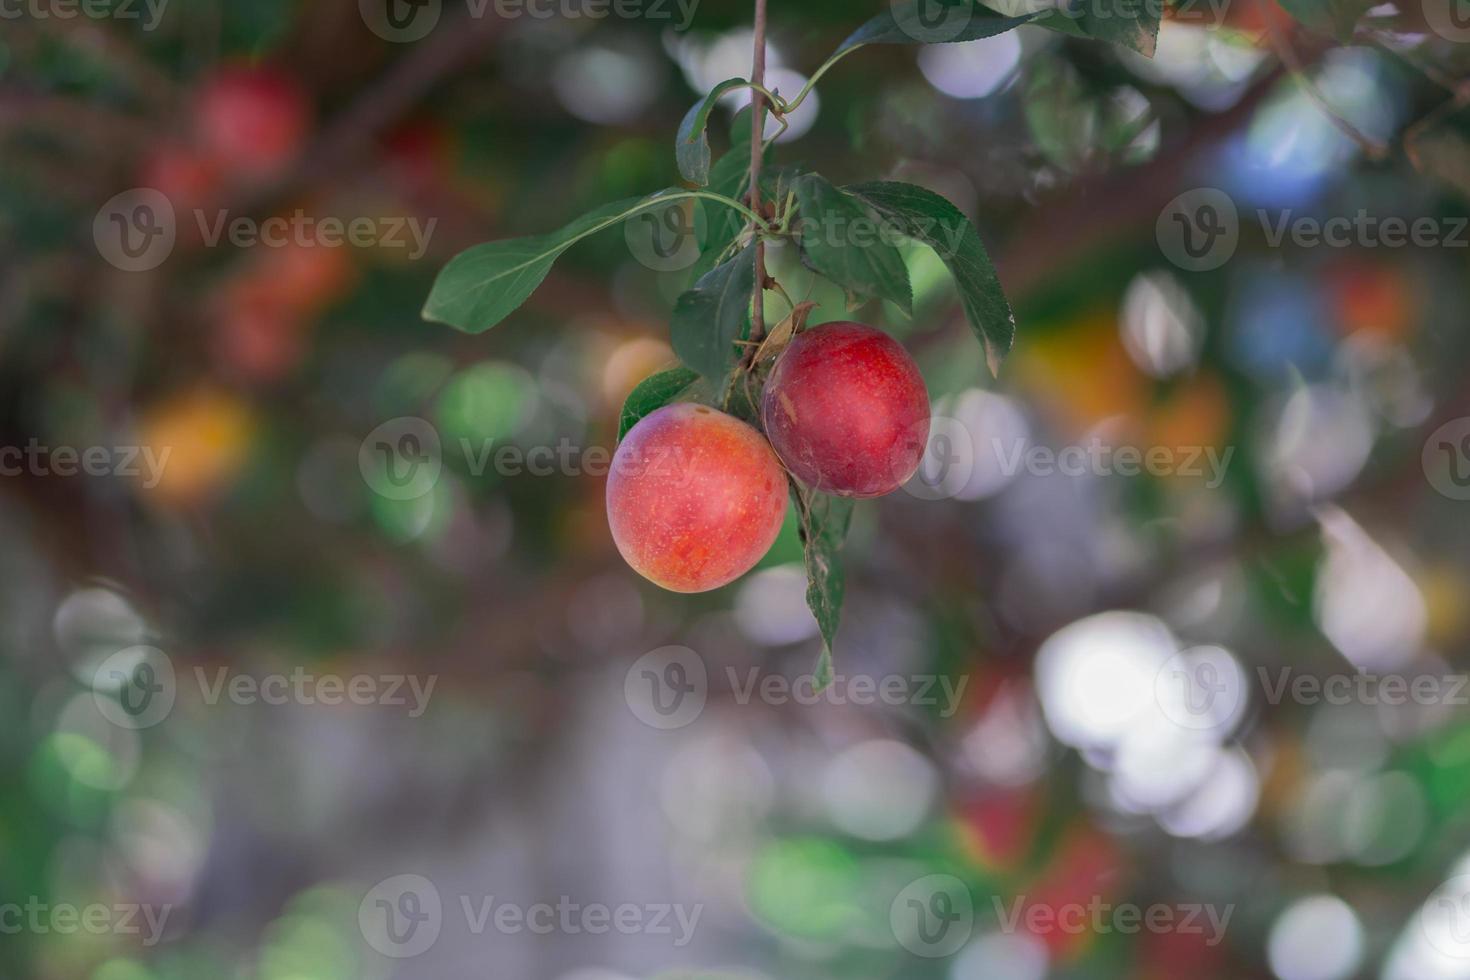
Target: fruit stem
x=777 y=104
x=811 y=83
x=757 y=150
x=728 y=202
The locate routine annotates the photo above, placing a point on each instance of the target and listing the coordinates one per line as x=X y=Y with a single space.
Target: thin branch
x=1411 y=58
x=1432 y=119
x=757 y=150
x=1372 y=149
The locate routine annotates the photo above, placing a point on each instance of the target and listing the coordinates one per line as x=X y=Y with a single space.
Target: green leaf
x=709 y=318
x=822 y=523
x=691 y=145
x=1134 y=24
x=729 y=176
x=653 y=393
x=731 y=173
x=485 y=284
x=839 y=241
x=932 y=22
x=926 y=217
x=1335 y=18
x=1061 y=115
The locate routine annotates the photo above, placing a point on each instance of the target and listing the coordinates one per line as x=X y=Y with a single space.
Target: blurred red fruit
x=258 y=343
x=262 y=315
x=252 y=122
x=1083 y=874
x=417 y=152
x=183 y=175
x=1373 y=299
x=306 y=278
x=996 y=828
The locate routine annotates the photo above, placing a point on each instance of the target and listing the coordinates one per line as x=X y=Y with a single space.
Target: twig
x=1431 y=119
x=1372 y=149
x=1411 y=58
x=757 y=150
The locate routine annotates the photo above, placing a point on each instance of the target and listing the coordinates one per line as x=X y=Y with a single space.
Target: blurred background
x=275 y=705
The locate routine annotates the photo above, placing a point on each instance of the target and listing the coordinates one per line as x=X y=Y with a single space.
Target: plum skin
x=846 y=410
x=695 y=498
